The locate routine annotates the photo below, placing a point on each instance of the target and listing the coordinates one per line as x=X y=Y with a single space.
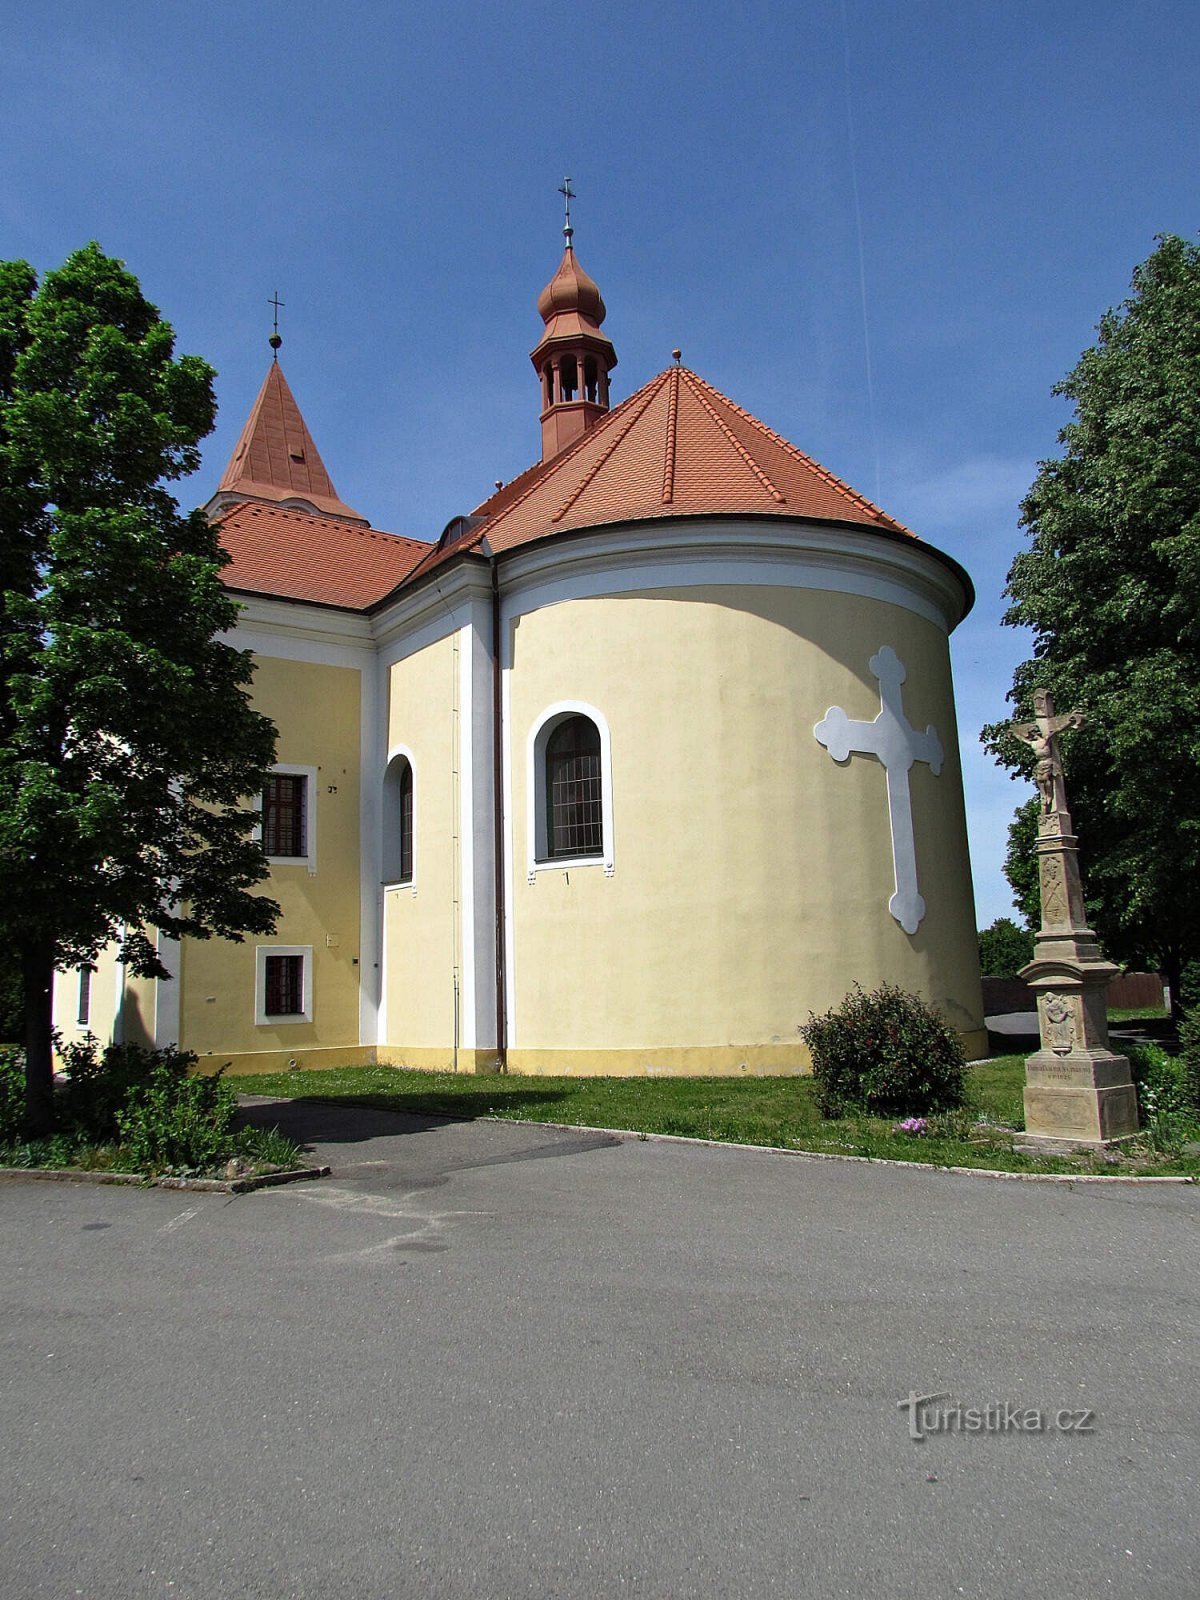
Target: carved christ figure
x=1042 y=737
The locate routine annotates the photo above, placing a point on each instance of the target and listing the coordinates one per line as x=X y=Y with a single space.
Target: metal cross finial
x=568 y=195
x=275 y=340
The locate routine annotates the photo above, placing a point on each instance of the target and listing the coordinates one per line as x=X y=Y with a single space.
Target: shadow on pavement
x=316 y=1122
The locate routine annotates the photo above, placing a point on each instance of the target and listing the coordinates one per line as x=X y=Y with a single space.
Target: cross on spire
x=275 y=340
x=568 y=195
x=896 y=744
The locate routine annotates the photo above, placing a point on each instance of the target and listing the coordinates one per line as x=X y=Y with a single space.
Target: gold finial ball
x=275 y=341
x=677 y=355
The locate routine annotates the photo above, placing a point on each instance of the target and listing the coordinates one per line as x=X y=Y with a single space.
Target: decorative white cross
x=896 y=744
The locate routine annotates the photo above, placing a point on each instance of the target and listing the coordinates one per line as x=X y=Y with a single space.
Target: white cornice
x=295 y=620
x=730 y=550
x=456 y=584
x=623 y=557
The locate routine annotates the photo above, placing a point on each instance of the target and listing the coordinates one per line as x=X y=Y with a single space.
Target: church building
x=645 y=759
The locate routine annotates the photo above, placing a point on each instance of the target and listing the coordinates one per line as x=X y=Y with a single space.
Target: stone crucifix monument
x=1076 y=1090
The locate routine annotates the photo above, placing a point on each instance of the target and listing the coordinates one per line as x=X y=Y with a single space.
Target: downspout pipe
x=498 y=849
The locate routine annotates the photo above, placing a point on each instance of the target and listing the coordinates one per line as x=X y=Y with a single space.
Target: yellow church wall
x=316 y=709
x=420 y=921
x=102 y=1000
x=751 y=872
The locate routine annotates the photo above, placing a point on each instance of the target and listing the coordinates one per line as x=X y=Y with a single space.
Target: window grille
x=406 y=824
x=285 y=803
x=574 y=802
x=284 y=986
x=84 y=1015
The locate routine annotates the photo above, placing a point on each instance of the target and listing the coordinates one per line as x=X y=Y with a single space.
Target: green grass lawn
x=778 y=1112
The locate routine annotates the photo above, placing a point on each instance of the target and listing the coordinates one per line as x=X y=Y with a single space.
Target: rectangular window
x=85 y=997
x=284 y=986
x=285 y=814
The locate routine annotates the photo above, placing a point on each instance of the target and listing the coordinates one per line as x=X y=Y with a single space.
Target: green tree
x=1110 y=585
x=127 y=741
x=1004 y=948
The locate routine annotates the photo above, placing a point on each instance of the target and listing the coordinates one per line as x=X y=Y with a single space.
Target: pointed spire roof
x=676 y=447
x=275 y=459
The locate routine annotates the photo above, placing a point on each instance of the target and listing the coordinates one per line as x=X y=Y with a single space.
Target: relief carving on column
x=1060 y=1023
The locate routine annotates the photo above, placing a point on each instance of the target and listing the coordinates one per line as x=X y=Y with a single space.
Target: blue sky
x=392 y=171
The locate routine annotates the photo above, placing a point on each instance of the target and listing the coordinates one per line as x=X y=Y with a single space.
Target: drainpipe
x=498 y=824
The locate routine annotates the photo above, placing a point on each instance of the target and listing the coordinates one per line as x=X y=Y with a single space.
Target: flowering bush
x=887 y=1052
x=914 y=1125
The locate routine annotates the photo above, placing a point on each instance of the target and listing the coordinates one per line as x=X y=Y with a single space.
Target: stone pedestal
x=1077 y=1091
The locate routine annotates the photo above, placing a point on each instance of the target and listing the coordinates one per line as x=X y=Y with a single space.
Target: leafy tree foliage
x=127 y=742
x=1004 y=948
x=1110 y=585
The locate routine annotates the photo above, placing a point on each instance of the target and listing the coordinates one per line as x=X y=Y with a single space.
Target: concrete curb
x=265 y=1180
x=831 y=1155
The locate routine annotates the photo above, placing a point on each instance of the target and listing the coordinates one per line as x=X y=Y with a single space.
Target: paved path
x=500 y=1362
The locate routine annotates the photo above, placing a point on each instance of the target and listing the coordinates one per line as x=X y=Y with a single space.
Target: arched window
x=398 y=809
x=574 y=800
x=569 y=789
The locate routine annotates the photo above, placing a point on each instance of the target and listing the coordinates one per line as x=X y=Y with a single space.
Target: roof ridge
x=555 y=463
x=258 y=508
x=650 y=392
x=759 y=472
x=831 y=478
x=668 y=491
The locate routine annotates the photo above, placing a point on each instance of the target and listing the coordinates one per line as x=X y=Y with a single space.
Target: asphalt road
x=502 y=1362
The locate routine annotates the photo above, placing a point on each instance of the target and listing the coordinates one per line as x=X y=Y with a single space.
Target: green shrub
x=1189 y=1052
x=1166 y=1106
x=100 y=1082
x=270 y=1146
x=12 y=1093
x=172 y=1121
x=887 y=1053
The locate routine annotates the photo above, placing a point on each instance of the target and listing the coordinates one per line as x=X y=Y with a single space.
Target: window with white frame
x=399 y=809
x=569 y=780
x=289 y=804
x=283 y=984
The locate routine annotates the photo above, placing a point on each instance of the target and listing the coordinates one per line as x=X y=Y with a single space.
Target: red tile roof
x=675 y=448
x=678 y=447
x=275 y=458
x=298 y=556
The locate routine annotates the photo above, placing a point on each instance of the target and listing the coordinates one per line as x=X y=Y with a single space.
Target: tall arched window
x=398 y=797
x=574 y=799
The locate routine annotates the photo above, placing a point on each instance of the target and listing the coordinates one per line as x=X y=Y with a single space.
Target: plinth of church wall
x=420 y=939
x=750 y=873
x=316 y=709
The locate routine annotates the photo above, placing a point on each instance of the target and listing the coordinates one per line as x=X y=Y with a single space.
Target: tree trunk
x=37 y=966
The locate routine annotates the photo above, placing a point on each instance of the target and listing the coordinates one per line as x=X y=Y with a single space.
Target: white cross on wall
x=896 y=744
